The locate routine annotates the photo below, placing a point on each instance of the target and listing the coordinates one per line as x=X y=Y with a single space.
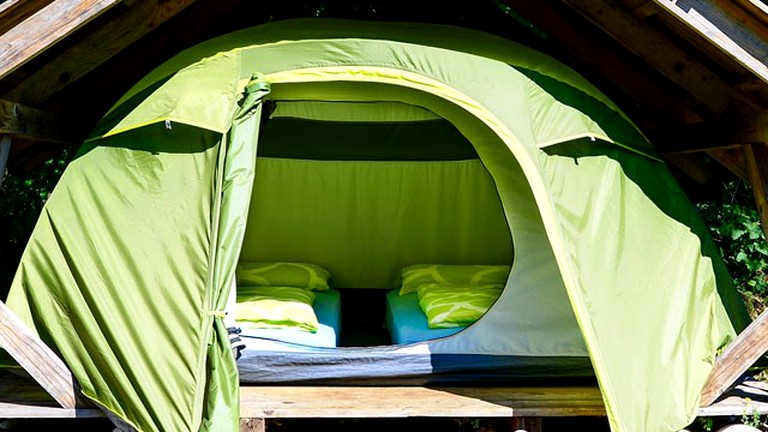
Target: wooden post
x=526 y=424
x=5 y=150
x=756 y=156
x=37 y=359
x=736 y=359
x=253 y=425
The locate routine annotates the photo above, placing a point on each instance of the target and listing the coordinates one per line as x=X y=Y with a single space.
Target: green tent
x=129 y=269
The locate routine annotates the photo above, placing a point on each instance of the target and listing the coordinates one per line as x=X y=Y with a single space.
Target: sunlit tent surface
x=130 y=266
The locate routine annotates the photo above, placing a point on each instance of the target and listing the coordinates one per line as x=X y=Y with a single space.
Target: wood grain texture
x=757 y=168
x=44 y=28
x=738 y=38
x=748 y=346
x=745 y=397
x=597 y=53
x=21 y=397
x=25 y=122
x=134 y=21
x=37 y=359
x=669 y=59
x=394 y=402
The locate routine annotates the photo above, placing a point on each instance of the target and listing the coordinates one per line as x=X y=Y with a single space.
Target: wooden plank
x=253 y=425
x=713 y=135
x=95 y=49
x=37 y=359
x=25 y=122
x=396 y=402
x=742 y=353
x=21 y=397
x=757 y=168
x=12 y=12
x=669 y=59
x=595 y=51
x=44 y=28
x=733 y=159
x=526 y=424
x=730 y=34
x=745 y=398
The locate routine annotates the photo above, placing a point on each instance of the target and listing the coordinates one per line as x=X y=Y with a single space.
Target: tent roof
x=693 y=78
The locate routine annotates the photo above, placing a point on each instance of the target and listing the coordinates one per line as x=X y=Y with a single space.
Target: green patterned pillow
x=276 y=307
x=456 y=306
x=299 y=275
x=419 y=274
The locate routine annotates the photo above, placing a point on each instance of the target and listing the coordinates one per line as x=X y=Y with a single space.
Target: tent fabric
x=128 y=270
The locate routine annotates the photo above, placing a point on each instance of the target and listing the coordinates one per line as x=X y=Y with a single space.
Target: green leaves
x=735 y=226
x=21 y=200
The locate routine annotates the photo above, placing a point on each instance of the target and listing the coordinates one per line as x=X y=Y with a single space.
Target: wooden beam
x=134 y=21
x=742 y=353
x=712 y=135
x=21 y=397
x=12 y=12
x=37 y=359
x=732 y=159
x=26 y=122
x=44 y=28
x=729 y=32
x=394 y=402
x=655 y=49
x=757 y=168
x=592 y=48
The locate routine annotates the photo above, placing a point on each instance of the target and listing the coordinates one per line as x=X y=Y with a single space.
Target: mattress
x=327 y=306
x=407 y=323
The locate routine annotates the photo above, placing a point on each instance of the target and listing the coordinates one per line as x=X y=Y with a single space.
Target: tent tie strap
x=217 y=314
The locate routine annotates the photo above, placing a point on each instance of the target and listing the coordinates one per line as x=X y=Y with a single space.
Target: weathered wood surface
x=44 y=28
x=736 y=359
x=595 y=50
x=21 y=397
x=742 y=39
x=654 y=48
x=745 y=398
x=37 y=359
x=757 y=167
x=25 y=122
x=137 y=18
x=395 y=402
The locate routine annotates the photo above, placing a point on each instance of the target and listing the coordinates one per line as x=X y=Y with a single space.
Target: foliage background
x=734 y=224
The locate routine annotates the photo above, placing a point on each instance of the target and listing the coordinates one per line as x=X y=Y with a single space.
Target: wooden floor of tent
x=22 y=398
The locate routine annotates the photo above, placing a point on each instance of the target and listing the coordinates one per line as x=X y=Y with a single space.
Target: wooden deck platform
x=22 y=398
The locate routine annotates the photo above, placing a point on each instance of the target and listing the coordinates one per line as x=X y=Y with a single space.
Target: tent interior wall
x=365 y=198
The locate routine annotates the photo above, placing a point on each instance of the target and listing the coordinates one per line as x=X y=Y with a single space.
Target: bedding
x=416 y=275
x=407 y=323
x=327 y=308
x=276 y=307
x=290 y=274
x=449 y=306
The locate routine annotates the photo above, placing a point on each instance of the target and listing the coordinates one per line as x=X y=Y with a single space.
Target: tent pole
x=5 y=150
x=37 y=359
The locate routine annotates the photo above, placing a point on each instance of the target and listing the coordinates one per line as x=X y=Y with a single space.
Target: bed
x=327 y=307
x=286 y=303
x=439 y=300
x=406 y=321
